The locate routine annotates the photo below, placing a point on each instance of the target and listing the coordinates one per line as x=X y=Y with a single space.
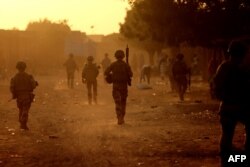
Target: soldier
x=231 y=87
x=170 y=73
x=89 y=75
x=121 y=75
x=71 y=67
x=105 y=62
x=163 y=63
x=145 y=72
x=21 y=87
x=180 y=72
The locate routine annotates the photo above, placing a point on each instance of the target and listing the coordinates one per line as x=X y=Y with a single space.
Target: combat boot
x=120 y=121
x=24 y=126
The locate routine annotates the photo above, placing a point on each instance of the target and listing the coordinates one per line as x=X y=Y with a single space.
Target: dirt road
x=66 y=132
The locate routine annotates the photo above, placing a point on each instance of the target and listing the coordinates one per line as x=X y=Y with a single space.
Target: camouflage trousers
x=181 y=87
x=70 y=77
x=92 y=85
x=120 y=94
x=23 y=104
x=172 y=83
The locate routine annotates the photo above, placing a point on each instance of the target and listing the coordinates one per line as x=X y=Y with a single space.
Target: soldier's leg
x=24 y=117
x=123 y=108
x=118 y=107
x=20 y=108
x=72 y=80
x=183 y=88
x=148 y=78
x=95 y=91
x=24 y=107
x=20 y=115
x=182 y=92
x=228 y=125
x=178 y=86
x=68 y=79
x=124 y=95
x=89 y=86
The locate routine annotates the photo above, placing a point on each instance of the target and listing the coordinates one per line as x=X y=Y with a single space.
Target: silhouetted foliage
x=50 y=39
x=199 y=22
x=46 y=25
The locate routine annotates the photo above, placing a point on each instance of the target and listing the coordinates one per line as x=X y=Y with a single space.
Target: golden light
x=103 y=15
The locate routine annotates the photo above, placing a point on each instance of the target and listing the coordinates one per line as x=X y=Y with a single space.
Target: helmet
x=180 y=56
x=90 y=58
x=237 y=49
x=21 y=65
x=119 y=54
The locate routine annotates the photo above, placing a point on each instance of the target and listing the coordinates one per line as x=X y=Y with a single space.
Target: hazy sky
x=104 y=15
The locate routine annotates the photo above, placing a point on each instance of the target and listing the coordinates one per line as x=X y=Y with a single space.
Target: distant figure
x=180 y=74
x=231 y=87
x=121 y=74
x=3 y=73
x=21 y=87
x=195 y=65
x=71 y=67
x=105 y=62
x=89 y=75
x=163 y=63
x=170 y=73
x=145 y=73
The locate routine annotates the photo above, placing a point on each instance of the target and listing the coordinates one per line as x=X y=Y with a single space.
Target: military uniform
x=170 y=74
x=163 y=64
x=22 y=86
x=71 y=67
x=231 y=86
x=180 y=71
x=145 y=72
x=89 y=75
x=121 y=74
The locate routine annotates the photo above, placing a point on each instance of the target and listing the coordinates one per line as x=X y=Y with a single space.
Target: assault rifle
x=127 y=55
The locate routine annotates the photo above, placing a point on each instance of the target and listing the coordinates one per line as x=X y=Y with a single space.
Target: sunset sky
x=103 y=15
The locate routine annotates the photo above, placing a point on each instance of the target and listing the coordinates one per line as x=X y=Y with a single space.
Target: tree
x=198 y=22
x=46 y=25
x=50 y=39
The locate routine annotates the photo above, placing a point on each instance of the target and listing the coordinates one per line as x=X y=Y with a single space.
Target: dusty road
x=66 y=132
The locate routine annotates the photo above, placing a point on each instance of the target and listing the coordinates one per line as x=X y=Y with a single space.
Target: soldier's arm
x=12 y=88
x=84 y=72
x=219 y=80
x=34 y=83
x=108 y=70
